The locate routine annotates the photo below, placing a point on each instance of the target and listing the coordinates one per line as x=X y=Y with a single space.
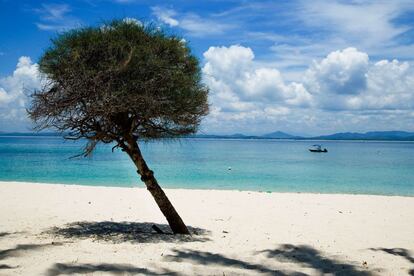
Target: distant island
x=367 y=136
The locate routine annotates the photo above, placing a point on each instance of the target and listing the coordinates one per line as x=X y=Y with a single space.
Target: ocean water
x=259 y=165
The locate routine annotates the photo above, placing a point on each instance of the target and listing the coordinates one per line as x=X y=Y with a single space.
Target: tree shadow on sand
x=304 y=256
x=4 y=266
x=19 y=250
x=118 y=232
x=207 y=259
x=308 y=256
x=22 y=248
x=3 y=234
x=114 y=269
x=402 y=252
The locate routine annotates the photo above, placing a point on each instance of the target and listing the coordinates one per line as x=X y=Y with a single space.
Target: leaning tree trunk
x=147 y=176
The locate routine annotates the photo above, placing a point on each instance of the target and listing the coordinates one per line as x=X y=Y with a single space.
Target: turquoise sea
x=260 y=165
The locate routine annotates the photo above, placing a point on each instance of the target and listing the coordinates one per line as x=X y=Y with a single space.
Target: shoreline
x=207 y=189
x=66 y=229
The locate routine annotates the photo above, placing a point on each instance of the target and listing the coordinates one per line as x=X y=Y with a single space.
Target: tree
x=121 y=83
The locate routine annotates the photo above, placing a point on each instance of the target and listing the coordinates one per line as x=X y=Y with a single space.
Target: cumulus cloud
x=13 y=89
x=243 y=90
x=235 y=69
x=343 y=91
x=346 y=80
x=390 y=86
x=341 y=72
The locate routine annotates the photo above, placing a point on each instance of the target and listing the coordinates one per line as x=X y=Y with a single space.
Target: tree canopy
x=123 y=78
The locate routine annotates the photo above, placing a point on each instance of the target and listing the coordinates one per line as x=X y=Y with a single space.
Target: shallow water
x=260 y=165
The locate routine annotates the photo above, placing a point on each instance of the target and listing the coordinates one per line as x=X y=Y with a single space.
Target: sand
x=50 y=229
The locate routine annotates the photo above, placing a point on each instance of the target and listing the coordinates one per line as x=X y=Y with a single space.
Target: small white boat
x=317 y=148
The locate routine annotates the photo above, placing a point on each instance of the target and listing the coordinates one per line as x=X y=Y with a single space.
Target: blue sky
x=306 y=67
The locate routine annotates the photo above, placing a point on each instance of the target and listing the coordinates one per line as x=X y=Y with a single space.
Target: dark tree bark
x=147 y=176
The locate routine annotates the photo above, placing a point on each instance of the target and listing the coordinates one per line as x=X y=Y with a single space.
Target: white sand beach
x=50 y=229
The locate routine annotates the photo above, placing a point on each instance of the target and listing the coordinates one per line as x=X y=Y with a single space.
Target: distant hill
x=273 y=135
x=279 y=135
x=372 y=135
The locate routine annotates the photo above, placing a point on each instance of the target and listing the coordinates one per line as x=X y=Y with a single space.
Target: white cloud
x=13 y=89
x=54 y=11
x=165 y=16
x=4 y=96
x=199 y=26
x=192 y=23
x=55 y=17
x=227 y=62
x=341 y=92
x=234 y=71
x=341 y=72
x=369 y=22
x=390 y=86
x=346 y=80
x=242 y=91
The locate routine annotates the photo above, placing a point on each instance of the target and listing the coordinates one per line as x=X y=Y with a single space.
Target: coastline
x=141 y=186
x=238 y=232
